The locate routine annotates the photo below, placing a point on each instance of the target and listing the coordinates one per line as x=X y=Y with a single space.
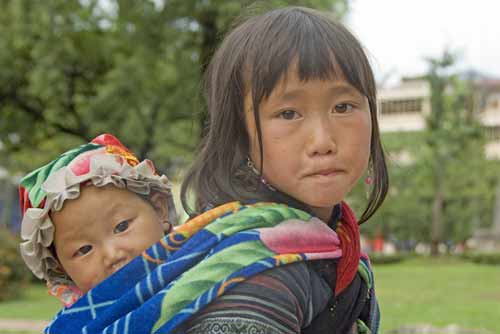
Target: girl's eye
x=343 y=108
x=288 y=114
x=121 y=227
x=83 y=250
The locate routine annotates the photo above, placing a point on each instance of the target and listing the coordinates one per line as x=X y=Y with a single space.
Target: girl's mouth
x=326 y=172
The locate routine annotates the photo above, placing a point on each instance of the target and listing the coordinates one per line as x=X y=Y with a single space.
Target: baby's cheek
x=91 y=280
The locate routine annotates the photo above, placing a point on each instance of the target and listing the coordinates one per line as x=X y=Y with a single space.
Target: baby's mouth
x=117 y=266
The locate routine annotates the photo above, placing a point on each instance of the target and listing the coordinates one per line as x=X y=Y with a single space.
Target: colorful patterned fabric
x=200 y=261
x=291 y=299
x=105 y=160
x=281 y=300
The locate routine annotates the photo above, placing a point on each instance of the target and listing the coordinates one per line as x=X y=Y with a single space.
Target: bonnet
x=105 y=160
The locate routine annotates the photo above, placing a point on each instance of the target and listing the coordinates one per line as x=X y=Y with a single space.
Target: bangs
x=319 y=48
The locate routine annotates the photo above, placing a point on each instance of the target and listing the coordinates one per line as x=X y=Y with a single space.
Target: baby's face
x=102 y=230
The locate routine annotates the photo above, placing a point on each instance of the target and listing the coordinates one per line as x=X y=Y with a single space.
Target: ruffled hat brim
x=37 y=229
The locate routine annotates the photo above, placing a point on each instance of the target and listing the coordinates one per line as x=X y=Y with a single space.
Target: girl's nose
x=321 y=139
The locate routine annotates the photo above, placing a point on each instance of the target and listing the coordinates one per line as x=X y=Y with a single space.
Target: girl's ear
x=159 y=202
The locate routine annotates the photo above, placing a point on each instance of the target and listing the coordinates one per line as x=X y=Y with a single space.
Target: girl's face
x=316 y=139
x=104 y=229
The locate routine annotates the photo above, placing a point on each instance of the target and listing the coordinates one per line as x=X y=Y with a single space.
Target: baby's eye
x=288 y=114
x=121 y=227
x=83 y=250
x=343 y=108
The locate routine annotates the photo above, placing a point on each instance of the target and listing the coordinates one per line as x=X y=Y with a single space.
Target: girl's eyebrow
x=344 y=89
x=336 y=89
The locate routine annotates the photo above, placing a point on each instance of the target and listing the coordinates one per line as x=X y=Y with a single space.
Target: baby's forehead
x=94 y=209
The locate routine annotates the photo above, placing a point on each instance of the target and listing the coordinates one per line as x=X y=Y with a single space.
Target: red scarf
x=348 y=232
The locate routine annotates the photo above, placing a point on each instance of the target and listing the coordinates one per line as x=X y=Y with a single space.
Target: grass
x=432 y=291
x=439 y=292
x=35 y=304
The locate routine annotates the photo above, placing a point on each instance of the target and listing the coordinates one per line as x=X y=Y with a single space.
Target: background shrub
x=13 y=272
x=483 y=258
x=386 y=259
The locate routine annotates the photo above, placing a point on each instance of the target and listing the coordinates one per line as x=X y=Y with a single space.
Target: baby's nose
x=114 y=257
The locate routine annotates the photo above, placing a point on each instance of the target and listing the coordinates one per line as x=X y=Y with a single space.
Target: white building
x=406 y=106
x=488 y=92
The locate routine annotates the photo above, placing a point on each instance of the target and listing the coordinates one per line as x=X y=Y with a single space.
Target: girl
x=292 y=118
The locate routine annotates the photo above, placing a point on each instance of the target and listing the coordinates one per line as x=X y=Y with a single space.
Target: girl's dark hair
x=252 y=59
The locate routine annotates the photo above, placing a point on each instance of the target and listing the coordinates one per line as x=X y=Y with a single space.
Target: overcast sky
x=400 y=33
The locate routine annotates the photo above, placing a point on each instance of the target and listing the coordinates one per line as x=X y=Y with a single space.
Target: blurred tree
x=74 y=69
x=453 y=138
x=443 y=191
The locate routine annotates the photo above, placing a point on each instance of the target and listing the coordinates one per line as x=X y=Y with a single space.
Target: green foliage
x=450 y=153
x=378 y=259
x=483 y=258
x=74 y=69
x=13 y=273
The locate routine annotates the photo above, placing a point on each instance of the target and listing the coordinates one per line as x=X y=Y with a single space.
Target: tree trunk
x=208 y=23
x=8 y=193
x=437 y=210
x=495 y=228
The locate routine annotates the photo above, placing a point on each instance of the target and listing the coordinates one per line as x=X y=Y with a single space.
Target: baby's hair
x=253 y=58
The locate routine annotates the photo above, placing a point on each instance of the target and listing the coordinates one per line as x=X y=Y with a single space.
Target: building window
x=389 y=107
x=492 y=133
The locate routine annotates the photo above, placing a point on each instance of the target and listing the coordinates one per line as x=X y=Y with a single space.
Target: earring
x=167 y=226
x=256 y=172
x=252 y=166
x=369 y=176
x=369 y=180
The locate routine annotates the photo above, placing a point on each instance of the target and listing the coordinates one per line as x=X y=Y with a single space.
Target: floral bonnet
x=105 y=160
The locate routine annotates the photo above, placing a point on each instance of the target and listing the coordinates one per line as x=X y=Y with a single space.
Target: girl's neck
x=323 y=213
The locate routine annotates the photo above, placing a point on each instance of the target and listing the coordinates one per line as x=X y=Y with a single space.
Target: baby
x=89 y=212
